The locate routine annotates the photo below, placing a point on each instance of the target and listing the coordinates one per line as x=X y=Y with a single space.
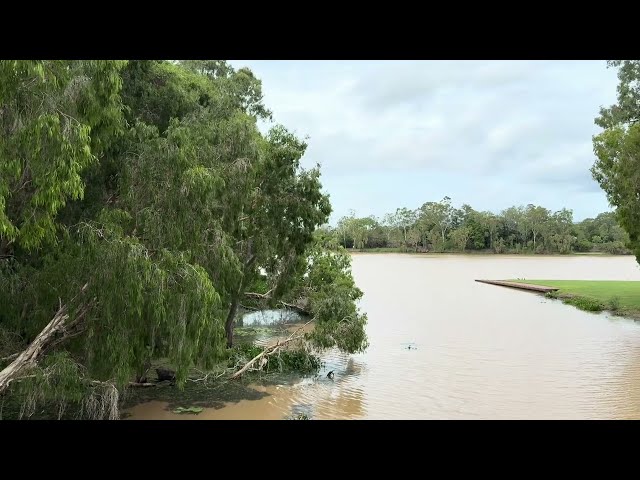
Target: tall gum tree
x=186 y=202
x=617 y=148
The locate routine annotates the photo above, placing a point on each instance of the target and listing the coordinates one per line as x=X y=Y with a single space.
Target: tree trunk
x=4 y=247
x=46 y=339
x=228 y=326
x=265 y=296
x=233 y=308
x=270 y=351
x=30 y=355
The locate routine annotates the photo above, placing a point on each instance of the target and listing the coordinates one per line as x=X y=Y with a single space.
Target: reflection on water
x=318 y=398
x=477 y=350
x=266 y=326
x=268 y=317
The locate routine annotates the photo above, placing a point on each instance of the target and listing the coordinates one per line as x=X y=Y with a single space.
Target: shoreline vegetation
x=440 y=227
x=481 y=252
x=620 y=298
x=141 y=208
x=218 y=388
x=215 y=387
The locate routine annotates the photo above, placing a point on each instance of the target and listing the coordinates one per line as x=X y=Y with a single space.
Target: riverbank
x=482 y=252
x=498 y=355
x=207 y=392
x=618 y=297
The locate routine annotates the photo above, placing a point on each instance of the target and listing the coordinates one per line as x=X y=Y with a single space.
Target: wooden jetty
x=521 y=286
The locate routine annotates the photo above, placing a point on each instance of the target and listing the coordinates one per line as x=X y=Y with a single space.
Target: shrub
x=584 y=303
x=583 y=245
x=614 y=304
x=285 y=361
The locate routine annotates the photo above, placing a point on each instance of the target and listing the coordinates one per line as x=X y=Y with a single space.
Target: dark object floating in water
x=302 y=412
x=330 y=375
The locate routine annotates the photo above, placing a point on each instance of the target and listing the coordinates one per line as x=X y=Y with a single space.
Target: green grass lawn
x=620 y=296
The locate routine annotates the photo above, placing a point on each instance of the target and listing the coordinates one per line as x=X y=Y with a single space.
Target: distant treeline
x=439 y=227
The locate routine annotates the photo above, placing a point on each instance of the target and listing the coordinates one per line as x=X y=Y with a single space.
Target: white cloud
x=519 y=124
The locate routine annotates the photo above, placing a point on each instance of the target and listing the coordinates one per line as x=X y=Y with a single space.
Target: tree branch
x=268 y=351
x=44 y=341
x=247 y=307
x=266 y=296
x=260 y=296
x=142 y=384
x=10 y=357
x=251 y=259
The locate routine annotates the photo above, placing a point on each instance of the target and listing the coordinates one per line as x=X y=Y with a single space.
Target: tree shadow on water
x=215 y=395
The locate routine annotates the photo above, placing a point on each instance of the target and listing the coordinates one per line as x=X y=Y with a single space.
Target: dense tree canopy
x=139 y=201
x=440 y=227
x=617 y=148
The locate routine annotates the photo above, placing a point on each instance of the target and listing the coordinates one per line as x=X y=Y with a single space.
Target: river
x=477 y=351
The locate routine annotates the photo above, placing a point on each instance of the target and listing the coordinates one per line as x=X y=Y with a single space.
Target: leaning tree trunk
x=270 y=350
x=233 y=308
x=57 y=330
x=228 y=325
x=4 y=248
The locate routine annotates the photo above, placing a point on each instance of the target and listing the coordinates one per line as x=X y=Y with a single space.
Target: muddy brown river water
x=478 y=351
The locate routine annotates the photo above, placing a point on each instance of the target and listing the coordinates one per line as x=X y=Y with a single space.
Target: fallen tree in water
x=271 y=350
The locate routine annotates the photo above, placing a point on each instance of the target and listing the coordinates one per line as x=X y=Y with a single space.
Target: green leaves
x=151 y=182
x=617 y=148
x=53 y=116
x=191 y=410
x=333 y=296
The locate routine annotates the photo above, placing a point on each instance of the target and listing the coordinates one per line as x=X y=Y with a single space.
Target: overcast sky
x=493 y=134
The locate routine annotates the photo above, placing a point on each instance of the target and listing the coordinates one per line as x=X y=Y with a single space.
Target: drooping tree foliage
x=326 y=282
x=617 y=148
x=138 y=203
x=55 y=119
